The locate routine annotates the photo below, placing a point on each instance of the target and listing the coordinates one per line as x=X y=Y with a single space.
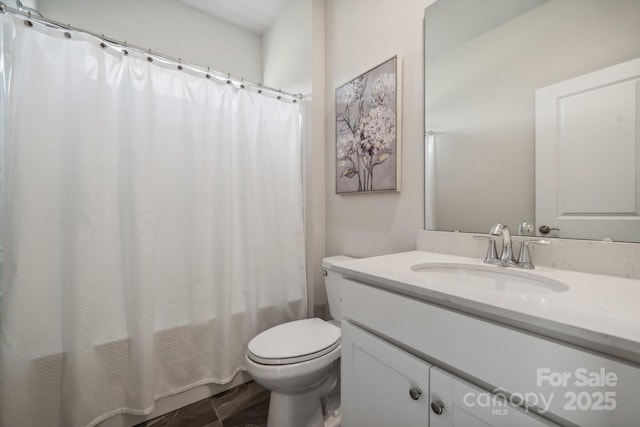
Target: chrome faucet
x=506 y=258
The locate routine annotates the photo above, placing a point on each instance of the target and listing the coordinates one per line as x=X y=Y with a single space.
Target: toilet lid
x=294 y=342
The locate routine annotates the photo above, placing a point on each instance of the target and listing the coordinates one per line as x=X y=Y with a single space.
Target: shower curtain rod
x=206 y=71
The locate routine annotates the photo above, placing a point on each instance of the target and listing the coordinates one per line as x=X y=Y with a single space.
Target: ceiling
x=253 y=15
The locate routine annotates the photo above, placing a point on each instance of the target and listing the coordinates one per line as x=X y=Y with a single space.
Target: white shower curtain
x=152 y=226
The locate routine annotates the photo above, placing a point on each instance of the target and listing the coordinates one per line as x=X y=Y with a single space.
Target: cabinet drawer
x=578 y=386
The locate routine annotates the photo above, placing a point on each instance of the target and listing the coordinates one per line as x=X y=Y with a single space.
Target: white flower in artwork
x=347 y=146
x=382 y=89
x=379 y=129
x=354 y=91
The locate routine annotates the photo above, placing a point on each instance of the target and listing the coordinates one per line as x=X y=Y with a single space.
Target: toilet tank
x=333 y=283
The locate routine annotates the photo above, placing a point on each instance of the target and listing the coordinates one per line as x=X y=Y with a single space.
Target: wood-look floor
x=244 y=406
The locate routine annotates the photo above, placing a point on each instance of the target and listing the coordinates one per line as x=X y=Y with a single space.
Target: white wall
x=293 y=60
x=360 y=34
x=167 y=27
x=286 y=49
x=316 y=160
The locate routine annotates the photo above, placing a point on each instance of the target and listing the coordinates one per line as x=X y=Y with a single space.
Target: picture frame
x=368 y=131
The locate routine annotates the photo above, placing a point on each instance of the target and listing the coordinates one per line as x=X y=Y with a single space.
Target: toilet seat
x=294 y=342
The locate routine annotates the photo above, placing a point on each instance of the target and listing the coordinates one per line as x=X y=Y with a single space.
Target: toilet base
x=301 y=410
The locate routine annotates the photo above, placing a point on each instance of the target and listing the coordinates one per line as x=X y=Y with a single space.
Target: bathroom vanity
x=444 y=340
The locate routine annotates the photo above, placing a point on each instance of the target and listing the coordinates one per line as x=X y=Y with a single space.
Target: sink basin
x=489 y=277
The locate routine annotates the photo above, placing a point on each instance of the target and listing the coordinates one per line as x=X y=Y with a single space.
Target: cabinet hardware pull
x=415 y=393
x=437 y=407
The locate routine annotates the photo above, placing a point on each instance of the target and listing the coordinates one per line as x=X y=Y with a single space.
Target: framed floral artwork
x=368 y=149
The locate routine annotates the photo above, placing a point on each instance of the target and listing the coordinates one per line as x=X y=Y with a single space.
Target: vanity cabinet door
x=382 y=385
x=457 y=403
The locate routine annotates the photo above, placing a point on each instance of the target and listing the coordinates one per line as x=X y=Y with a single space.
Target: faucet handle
x=526 y=228
x=492 y=254
x=524 y=259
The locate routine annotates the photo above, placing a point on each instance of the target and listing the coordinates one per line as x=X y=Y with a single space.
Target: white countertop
x=598 y=312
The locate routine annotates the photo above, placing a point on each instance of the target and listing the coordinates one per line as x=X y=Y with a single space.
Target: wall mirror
x=484 y=63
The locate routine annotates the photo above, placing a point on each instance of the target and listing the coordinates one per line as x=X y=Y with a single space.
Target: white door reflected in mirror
x=588 y=154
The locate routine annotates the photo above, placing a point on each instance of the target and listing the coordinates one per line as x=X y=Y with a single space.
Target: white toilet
x=298 y=361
